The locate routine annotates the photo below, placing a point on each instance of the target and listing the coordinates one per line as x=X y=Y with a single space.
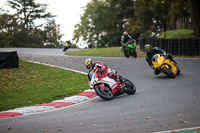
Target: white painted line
x=183 y=129
x=58 y=67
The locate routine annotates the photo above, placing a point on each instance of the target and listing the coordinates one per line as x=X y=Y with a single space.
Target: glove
x=101 y=71
x=124 y=45
x=164 y=54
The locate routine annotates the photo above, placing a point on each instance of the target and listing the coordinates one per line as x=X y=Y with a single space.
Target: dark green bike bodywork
x=130 y=49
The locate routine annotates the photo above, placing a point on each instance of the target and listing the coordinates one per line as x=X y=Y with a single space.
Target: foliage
x=194 y=7
x=32 y=84
x=104 y=22
x=156 y=15
x=19 y=29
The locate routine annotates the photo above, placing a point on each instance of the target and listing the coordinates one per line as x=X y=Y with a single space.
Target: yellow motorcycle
x=165 y=66
x=66 y=46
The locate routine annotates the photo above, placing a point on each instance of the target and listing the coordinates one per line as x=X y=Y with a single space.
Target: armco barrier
x=181 y=46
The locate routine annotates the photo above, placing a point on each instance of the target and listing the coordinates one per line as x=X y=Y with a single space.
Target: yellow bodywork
x=159 y=62
x=66 y=45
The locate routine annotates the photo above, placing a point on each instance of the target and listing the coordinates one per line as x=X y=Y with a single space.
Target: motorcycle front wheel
x=134 y=53
x=105 y=94
x=168 y=72
x=130 y=87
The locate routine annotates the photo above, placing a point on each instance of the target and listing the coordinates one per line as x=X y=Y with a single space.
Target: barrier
x=181 y=46
x=9 y=60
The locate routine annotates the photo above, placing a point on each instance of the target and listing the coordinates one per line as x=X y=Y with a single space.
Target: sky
x=67 y=11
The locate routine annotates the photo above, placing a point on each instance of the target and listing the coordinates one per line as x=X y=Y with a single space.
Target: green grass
x=103 y=52
x=32 y=84
x=181 y=33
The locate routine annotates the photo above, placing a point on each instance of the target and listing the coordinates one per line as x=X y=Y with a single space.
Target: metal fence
x=182 y=46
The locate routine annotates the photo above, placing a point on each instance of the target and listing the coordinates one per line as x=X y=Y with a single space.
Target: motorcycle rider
x=99 y=68
x=68 y=42
x=124 y=39
x=151 y=52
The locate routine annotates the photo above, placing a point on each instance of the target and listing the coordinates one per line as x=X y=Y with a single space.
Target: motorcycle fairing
x=157 y=61
x=66 y=45
x=160 y=62
x=168 y=63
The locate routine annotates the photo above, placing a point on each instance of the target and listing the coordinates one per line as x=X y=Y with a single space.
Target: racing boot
x=121 y=79
x=122 y=49
x=156 y=72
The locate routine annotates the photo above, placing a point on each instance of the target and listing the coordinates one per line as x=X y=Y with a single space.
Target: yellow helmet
x=147 y=47
x=89 y=63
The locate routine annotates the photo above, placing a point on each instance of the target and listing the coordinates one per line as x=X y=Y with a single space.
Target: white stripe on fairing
x=31 y=109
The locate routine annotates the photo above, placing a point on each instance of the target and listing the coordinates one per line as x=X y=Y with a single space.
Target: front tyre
x=168 y=72
x=178 y=70
x=129 y=87
x=126 y=55
x=105 y=94
x=134 y=53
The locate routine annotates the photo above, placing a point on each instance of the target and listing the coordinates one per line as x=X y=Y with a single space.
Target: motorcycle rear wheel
x=130 y=87
x=105 y=94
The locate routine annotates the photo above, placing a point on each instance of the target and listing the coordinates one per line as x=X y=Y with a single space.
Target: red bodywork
x=114 y=88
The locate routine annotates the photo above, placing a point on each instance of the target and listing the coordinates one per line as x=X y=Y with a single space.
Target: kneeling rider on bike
x=124 y=39
x=151 y=52
x=99 y=68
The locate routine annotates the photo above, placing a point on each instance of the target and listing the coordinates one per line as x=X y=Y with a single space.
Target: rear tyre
x=65 y=48
x=168 y=72
x=178 y=70
x=129 y=87
x=105 y=94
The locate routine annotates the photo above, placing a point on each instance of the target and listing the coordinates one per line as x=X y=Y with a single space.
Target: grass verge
x=103 y=52
x=181 y=33
x=32 y=84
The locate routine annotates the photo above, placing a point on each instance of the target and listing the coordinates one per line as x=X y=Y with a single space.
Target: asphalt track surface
x=160 y=103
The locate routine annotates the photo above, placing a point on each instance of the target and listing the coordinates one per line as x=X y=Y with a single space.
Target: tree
x=104 y=21
x=19 y=29
x=7 y=28
x=52 y=34
x=194 y=7
x=28 y=11
x=157 y=16
x=142 y=23
x=178 y=8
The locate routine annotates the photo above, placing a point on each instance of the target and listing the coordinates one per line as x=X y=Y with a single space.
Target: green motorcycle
x=130 y=49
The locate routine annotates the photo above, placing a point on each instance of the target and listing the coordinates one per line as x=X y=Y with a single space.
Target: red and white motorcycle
x=107 y=88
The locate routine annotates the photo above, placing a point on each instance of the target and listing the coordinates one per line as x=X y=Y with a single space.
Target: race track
x=160 y=103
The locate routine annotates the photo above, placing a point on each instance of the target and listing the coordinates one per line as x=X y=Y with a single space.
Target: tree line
x=104 y=21
x=19 y=29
